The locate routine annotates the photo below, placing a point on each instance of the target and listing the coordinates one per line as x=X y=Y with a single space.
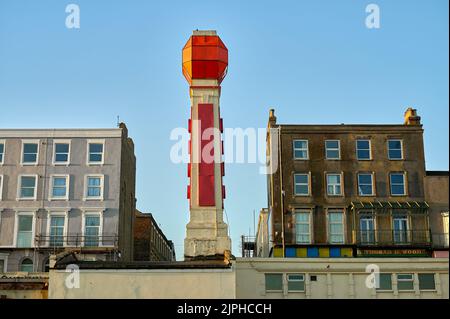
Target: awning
x=387 y=206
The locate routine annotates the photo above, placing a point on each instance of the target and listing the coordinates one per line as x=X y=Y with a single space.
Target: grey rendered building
x=65 y=189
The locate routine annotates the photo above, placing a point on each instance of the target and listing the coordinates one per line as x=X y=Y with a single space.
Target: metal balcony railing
x=392 y=237
x=86 y=241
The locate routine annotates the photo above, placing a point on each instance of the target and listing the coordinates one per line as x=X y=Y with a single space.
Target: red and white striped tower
x=205 y=61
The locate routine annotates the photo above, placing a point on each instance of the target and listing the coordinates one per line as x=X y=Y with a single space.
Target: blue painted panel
x=335 y=252
x=313 y=252
x=291 y=252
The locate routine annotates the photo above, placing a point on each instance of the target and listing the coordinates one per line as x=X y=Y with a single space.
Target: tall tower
x=205 y=62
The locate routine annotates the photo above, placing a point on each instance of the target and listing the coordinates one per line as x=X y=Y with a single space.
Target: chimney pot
x=411 y=117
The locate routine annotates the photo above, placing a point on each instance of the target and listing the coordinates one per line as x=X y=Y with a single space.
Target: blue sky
x=313 y=61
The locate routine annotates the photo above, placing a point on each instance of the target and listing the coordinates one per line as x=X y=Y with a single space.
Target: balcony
x=392 y=238
x=76 y=241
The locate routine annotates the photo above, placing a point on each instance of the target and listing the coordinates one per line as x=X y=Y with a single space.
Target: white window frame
x=370 y=149
x=406 y=231
x=333 y=149
x=50 y=195
x=19 y=187
x=296 y=274
x=57 y=141
x=341 y=184
x=89 y=142
x=372 y=180
x=4 y=152
x=300 y=149
x=4 y=257
x=38 y=142
x=310 y=222
x=372 y=216
x=336 y=210
x=405 y=183
x=412 y=280
x=102 y=187
x=92 y=212
x=1 y=188
x=309 y=184
x=401 y=149
x=16 y=227
x=66 y=219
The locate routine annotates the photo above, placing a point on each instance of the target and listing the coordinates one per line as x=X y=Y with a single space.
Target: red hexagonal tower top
x=205 y=57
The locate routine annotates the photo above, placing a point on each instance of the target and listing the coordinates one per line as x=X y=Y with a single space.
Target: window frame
x=368 y=215
x=97 y=213
x=392 y=286
x=405 y=184
x=265 y=282
x=300 y=149
x=51 y=197
x=405 y=280
x=310 y=225
x=434 y=281
x=16 y=227
x=296 y=274
x=35 y=141
x=22 y=261
x=86 y=187
x=4 y=257
x=372 y=175
x=370 y=149
x=57 y=213
x=60 y=141
x=344 y=224
x=19 y=187
x=341 y=183
x=93 y=141
x=308 y=174
x=2 y=161
x=401 y=149
x=333 y=149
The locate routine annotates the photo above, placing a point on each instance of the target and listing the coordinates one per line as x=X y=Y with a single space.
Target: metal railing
x=79 y=241
x=392 y=237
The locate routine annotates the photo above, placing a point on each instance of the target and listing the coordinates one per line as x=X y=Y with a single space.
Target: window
x=405 y=282
x=303 y=227
x=301 y=149
x=95 y=152
x=397 y=184
x=57 y=223
x=30 y=153
x=301 y=182
x=426 y=282
x=332 y=149
x=25 y=230
x=27 y=188
x=62 y=153
x=26 y=265
x=363 y=151
x=94 y=187
x=334 y=184
x=60 y=187
x=2 y=153
x=400 y=229
x=385 y=282
x=91 y=230
x=274 y=282
x=395 y=149
x=2 y=265
x=296 y=282
x=365 y=184
x=367 y=229
x=1 y=187
x=336 y=227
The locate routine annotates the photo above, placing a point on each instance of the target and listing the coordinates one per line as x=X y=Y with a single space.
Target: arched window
x=26 y=265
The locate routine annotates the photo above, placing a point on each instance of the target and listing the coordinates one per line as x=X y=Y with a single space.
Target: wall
x=146 y=284
x=337 y=278
x=436 y=194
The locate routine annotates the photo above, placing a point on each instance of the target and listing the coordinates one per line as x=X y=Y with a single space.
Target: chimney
x=272 y=118
x=411 y=117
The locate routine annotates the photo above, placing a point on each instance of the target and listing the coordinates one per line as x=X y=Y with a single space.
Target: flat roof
x=61 y=133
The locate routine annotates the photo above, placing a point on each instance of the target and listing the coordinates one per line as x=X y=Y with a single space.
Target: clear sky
x=313 y=61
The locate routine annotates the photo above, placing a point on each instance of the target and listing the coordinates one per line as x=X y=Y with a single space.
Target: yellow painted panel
x=278 y=252
x=346 y=252
x=324 y=252
x=302 y=252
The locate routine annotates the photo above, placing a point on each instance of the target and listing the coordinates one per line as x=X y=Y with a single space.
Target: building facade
x=348 y=190
x=65 y=189
x=150 y=243
x=436 y=195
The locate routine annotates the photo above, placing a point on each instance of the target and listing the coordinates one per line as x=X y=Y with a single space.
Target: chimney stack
x=272 y=118
x=411 y=117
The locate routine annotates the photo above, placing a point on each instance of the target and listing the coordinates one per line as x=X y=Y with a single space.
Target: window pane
x=61 y=157
x=95 y=148
x=62 y=148
x=397 y=189
x=27 y=192
x=301 y=179
x=332 y=154
x=385 y=282
x=365 y=190
x=57 y=221
x=335 y=217
x=92 y=221
x=274 y=281
x=397 y=178
x=26 y=265
x=405 y=285
x=30 y=148
x=59 y=181
x=95 y=157
x=395 y=144
x=94 y=181
x=395 y=154
x=25 y=223
x=332 y=144
x=363 y=144
x=300 y=144
x=28 y=181
x=24 y=239
x=426 y=282
x=296 y=285
x=365 y=178
x=2 y=147
x=362 y=154
x=333 y=179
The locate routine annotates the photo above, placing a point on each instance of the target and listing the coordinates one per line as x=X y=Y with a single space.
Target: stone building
x=150 y=243
x=348 y=190
x=65 y=189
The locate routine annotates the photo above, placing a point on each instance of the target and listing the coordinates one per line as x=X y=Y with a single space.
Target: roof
x=348 y=128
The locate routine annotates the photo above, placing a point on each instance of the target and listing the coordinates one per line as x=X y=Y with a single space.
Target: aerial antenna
x=118 y=120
